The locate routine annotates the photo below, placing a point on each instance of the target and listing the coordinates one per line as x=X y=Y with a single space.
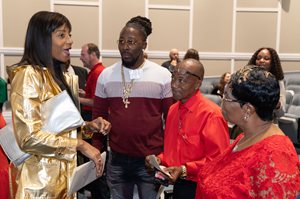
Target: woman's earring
x=246 y=117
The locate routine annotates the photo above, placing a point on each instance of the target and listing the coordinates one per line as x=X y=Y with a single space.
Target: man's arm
x=86 y=101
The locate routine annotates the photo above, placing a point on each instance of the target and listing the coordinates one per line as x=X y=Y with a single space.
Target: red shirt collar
x=96 y=65
x=190 y=103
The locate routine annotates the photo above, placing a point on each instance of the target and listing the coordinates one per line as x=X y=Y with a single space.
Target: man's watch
x=183 y=172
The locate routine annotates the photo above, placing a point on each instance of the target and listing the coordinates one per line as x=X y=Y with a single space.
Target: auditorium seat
x=289 y=94
x=206 y=88
x=208 y=84
x=215 y=98
x=290 y=122
x=294 y=87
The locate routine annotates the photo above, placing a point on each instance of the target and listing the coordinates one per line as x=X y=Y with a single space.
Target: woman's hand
x=98 y=125
x=278 y=105
x=81 y=93
x=92 y=153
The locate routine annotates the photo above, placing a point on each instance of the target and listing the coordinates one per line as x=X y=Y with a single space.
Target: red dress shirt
x=195 y=133
x=91 y=83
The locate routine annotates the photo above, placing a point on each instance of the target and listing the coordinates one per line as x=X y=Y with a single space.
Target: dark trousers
x=124 y=172
x=86 y=115
x=184 y=189
x=99 y=188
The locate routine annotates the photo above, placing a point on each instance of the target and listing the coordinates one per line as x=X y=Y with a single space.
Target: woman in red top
x=262 y=162
x=4 y=183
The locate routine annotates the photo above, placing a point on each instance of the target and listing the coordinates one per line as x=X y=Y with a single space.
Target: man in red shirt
x=90 y=55
x=195 y=133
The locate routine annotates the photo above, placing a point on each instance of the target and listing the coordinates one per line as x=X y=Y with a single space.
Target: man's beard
x=130 y=64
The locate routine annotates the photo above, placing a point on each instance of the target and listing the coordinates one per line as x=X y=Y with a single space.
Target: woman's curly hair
x=253 y=84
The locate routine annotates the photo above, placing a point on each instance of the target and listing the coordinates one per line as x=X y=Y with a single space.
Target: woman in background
x=35 y=79
x=261 y=162
x=219 y=88
x=191 y=53
x=268 y=59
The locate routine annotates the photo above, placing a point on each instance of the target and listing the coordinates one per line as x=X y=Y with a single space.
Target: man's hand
x=149 y=167
x=174 y=62
x=98 y=125
x=175 y=173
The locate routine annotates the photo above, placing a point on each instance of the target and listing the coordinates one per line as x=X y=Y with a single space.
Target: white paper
x=85 y=174
x=60 y=114
x=10 y=145
x=154 y=163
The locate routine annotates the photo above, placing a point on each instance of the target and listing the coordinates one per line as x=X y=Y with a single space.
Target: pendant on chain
x=126 y=92
x=126 y=96
x=126 y=102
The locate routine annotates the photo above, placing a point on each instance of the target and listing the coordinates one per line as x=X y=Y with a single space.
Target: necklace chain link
x=127 y=87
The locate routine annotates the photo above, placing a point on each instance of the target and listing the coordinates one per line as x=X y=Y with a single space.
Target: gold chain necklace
x=127 y=87
x=243 y=140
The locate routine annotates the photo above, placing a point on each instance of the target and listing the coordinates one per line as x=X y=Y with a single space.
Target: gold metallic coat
x=46 y=174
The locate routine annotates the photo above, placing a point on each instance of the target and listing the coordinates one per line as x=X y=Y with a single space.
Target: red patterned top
x=4 y=182
x=267 y=169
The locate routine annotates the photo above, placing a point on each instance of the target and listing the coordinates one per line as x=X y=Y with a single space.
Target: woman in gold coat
x=35 y=79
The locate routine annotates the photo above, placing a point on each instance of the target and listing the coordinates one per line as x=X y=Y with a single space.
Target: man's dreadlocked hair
x=141 y=23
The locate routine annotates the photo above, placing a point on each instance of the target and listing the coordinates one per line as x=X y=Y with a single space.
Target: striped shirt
x=137 y=130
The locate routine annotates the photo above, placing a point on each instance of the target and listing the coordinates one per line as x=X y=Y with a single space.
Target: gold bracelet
x=87 y=134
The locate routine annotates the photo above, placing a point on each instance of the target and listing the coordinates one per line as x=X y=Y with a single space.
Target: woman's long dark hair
x=276 y=68
x=38 y=44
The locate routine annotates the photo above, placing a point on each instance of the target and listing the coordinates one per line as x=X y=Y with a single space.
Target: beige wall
x=226 y=33
x=260 y=4
x=290 y=31
x=212 y=29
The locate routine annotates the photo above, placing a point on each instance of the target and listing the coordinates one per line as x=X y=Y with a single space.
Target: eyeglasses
x=187 y=72
x=129 y=42
x=229 y=100
x=172 y=70
x=233 y=100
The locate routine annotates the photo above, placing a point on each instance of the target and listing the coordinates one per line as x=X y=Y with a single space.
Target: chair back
x=206 y=88
x=294 y=87
x=289 y=94
x=215 y=98
x=295 y=106
x=293 y=81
